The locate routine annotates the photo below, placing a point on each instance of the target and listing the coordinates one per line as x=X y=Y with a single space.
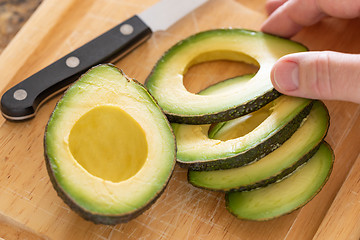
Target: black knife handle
x=22 y=101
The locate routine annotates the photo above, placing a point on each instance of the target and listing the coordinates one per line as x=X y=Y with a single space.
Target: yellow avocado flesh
x=108 y=143
x=240 y=126
x=246 y=124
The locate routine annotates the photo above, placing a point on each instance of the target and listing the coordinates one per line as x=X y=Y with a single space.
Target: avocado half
x=165 y=82
x=109 y=149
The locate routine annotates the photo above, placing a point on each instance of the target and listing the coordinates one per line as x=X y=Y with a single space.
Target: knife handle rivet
x=72 y=62
x=20 y=94
x=126 y=29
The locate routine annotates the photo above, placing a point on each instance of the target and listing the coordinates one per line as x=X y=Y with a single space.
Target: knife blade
x=24 y=99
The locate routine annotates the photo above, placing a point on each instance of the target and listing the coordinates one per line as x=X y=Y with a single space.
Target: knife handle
x=23 y=100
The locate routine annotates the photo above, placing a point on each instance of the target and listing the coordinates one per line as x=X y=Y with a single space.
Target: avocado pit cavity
x=108 y=143
x=211 y=67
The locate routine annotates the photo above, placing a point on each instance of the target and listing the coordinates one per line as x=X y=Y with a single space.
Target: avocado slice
x=165 y=82
x=198 y=152
x=287 y=195
x=109 y=148
x=299 y=148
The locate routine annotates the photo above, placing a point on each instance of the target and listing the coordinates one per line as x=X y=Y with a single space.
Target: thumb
x=319 y=75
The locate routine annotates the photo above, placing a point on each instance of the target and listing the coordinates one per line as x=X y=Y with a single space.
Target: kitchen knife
x=23 y=100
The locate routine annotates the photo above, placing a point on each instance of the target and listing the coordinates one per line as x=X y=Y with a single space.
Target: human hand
x=320 y=75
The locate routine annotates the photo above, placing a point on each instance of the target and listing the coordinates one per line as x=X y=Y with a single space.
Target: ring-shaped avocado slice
x=165 y=82
x=299 y=148
x=277 y=121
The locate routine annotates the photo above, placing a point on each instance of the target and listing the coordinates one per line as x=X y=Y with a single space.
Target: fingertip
x=280 y=26
x=318 y=75
x=272 y=78
x=285 y=76
x=279 y=23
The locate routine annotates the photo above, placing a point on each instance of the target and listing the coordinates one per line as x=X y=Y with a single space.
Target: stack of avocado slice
x=110 y=149
x=240 y=136
x=264 y=186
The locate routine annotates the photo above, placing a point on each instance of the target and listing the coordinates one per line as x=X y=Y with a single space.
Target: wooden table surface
x=29 y=206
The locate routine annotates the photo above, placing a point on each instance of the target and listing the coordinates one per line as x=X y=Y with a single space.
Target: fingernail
x=286 y=76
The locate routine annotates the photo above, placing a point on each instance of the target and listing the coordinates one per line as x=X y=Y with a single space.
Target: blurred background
x=13 y=15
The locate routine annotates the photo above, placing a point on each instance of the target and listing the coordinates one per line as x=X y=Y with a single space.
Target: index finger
x=272 y=5
x=291 y=16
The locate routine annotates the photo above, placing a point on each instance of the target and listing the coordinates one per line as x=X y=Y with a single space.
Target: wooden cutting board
x=29 y=206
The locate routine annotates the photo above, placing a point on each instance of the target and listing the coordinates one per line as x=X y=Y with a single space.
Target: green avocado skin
x=255 y=153
x=232 y=113
x=93 y=217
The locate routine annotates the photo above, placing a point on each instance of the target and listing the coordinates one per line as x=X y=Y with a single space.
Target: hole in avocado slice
x=109 y=143
x=212 y=67
x=240 y=126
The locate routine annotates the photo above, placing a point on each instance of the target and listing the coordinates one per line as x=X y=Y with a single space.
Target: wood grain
x=342 y=219
x=10 y=229
x=183 y=211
